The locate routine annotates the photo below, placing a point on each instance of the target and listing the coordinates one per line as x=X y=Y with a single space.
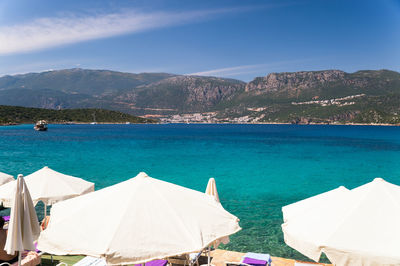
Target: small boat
x=94 y=119
x=41 y=125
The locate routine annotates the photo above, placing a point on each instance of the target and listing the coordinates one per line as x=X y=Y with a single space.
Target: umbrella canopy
x=23 y=228
x=212 y=189
x=360 y=227
x=5 y=178
x=313 y=203
x=48 y=186
x=151 y=219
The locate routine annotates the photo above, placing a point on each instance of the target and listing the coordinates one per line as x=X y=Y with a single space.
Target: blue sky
x=234 y=39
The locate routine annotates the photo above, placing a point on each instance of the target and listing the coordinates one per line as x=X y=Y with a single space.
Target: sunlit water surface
x=258 y=168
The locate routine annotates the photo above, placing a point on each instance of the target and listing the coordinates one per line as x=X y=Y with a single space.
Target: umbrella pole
x=208 y=259
x=19 y=258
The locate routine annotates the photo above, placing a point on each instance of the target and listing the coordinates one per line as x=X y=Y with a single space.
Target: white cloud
x=248 y=69
x=54 y=31
x=231 y=71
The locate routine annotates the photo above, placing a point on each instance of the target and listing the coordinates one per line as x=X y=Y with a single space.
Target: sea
x=258 y=168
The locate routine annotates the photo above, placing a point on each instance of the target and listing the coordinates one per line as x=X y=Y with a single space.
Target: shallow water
x=258 y=168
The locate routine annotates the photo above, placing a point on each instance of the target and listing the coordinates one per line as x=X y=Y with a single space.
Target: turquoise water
x=258 y=168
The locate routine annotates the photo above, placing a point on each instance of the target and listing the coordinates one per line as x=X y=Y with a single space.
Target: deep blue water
x=258 y=168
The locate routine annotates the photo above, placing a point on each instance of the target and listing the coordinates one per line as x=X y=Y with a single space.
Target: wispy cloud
x=248 y=69
x=54 y=31
x=231 y=71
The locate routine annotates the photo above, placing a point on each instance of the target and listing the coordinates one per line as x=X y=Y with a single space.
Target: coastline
x=192 y=123
x=81 y=123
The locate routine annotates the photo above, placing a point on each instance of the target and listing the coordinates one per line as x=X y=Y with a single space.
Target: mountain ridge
x=277 y=97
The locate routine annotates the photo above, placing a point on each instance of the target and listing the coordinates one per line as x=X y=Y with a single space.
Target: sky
x=232 y=39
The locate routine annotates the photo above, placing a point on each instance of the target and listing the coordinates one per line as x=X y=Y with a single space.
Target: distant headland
x=14 y=115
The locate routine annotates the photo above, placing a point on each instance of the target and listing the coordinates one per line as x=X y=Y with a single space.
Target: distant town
x=209 y=117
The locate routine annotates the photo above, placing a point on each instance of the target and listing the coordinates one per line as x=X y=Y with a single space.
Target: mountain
x=80 y=81
x=329 y=96
x=330 y=83
x=320 y=97
x=182 y=94
x=133 y=93
x=17 y=114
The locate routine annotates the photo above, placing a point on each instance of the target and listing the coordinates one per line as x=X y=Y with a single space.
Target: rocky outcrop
x=206 y=90
x=294 y=81
x=192 y=93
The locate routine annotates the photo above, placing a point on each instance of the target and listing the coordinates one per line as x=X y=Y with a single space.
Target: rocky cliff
x=189 y=93
x=330 y=96
x=323 y=84
x=292 y=81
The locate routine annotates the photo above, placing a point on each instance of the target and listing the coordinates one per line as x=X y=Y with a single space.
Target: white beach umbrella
x=356 y=228
x=5 y=178
x=23 y=228
x=211 y=190
x=151 y=219
x=313 y=203
x=48 y=186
